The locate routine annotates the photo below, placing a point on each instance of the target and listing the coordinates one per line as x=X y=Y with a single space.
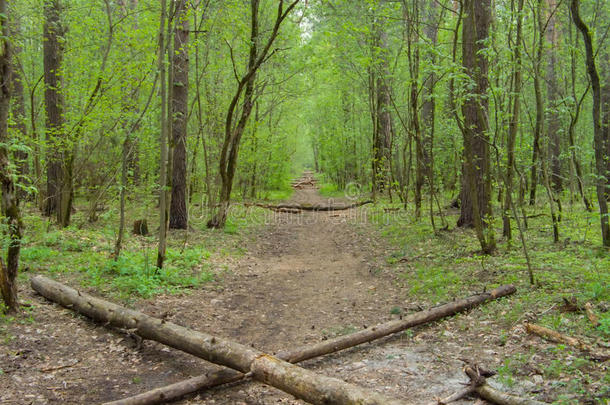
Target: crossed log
x=273 y=370
x=301 y=383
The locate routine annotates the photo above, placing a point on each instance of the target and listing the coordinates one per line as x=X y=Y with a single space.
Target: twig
x=48 y=369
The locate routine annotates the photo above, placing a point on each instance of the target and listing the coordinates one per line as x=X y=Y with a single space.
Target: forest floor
x=299 y=279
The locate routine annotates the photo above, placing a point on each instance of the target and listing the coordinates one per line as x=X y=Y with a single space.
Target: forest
x=256 y=183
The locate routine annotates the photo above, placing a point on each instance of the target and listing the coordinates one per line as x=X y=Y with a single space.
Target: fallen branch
x=454 y=397
x=180 y=389
x=554 y=336
x=301 y=383
x=55 y=368
x=591 y=315
x=311 y=207
x=485 y=391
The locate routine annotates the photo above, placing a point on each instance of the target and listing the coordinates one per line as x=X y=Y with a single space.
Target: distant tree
x=235 y=125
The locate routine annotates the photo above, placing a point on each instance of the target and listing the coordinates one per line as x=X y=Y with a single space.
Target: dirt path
x=307 y=277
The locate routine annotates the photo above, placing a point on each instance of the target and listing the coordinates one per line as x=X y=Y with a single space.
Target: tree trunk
x=178 y=217
x=553 y=116
x=476 y=178
x=601 y=137
x=513 y=126
x=574 y=116
x=292 y=379
x=429 y=105
x=163 y=164
x=415 y=127
x=54 y=106
x=18 y=110
x=122 y=196
x=384 y=125
x=8 y=192
x=475 y=32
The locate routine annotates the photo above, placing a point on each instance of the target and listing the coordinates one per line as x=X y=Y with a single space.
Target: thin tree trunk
x=413 y=55
x=18 y=109
x=429 y=106
x=539 y=126
x=384 y=117
x=601 y=141
x=40 y=200
x=178 y=209
x=122 y=196
x=234 y=128
x=574 y=116
x=513 y=126
x=163 y=164
x=553 y=117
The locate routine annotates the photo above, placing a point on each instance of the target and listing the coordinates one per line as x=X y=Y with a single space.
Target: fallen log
x=312 y=207
x=488 y=393
x=301 y=383
x=554 y=336
x=198 y=383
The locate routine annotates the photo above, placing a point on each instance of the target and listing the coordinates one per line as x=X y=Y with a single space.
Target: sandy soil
x=307 y=277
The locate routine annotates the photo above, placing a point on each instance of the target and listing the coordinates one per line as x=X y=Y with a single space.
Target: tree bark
x=432 y=22
x=18 y=110
x=476 y=178
x=294 y=380
x=8 y=192
x=475 y=31
x=54 y=106
x=177 y=390
x=553 y=116
x=163 y=164
x=178 y=216
x=601 y=139
x=574 y=116
x=384 y=126
x=513 y=126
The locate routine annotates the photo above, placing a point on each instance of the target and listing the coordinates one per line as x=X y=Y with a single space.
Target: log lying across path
x=198 y=383
x=290 y=207
x=289 y=378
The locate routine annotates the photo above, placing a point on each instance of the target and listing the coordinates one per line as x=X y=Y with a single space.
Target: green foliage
x=83 y=254
x=330 y=190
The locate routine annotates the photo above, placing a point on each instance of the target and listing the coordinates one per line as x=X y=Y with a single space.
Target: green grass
x=82 y=253
x=330 y=190
x=279 y=195
x=448 y=265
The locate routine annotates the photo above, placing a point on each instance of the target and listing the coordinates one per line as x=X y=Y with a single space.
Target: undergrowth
x=82 y=253
x=447 y=264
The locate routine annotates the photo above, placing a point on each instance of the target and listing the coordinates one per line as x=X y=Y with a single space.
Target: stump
x=140 y=227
